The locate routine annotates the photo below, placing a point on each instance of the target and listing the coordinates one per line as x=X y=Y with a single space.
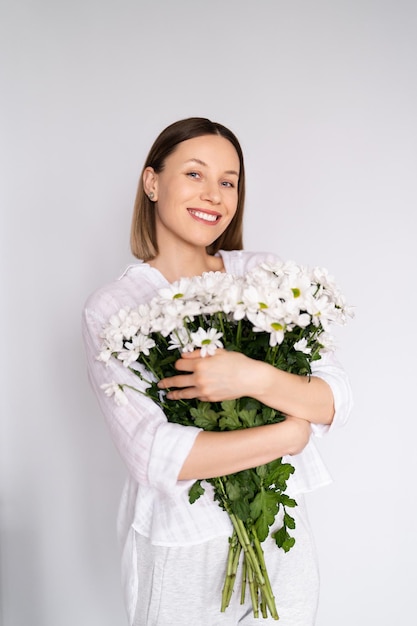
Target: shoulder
x=241 y=261
x=137 y=284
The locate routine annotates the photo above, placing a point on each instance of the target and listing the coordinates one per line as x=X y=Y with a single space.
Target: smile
x=206 y=217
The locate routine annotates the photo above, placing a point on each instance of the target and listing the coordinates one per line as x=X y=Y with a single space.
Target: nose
x=211 y=192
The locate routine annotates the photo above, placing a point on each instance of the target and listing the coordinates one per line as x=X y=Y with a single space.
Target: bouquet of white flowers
x=279 y=313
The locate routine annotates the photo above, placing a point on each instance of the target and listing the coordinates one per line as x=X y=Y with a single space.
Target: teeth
x=204 y=216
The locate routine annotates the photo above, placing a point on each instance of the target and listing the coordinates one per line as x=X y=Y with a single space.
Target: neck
x=185 y=265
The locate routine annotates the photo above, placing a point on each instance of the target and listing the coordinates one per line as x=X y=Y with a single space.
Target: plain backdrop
x=323 y=97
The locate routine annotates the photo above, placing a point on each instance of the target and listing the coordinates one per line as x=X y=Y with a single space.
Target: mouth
x=208 y=217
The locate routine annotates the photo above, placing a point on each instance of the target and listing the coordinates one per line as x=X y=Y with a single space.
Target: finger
x=187 y=365
x=187 y=393
x=195 y=354
x=176 y=381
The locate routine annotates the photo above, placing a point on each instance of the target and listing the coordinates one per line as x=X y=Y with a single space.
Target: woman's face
x=196 y=193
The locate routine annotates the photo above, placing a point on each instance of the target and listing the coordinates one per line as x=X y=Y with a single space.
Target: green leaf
x=289 y=521
x=262 y=528
x=265 y=503
x=196 y=490
x=263 y=511
x=230 y=422
x=233 y=490
x=278 y=474
x=280 y=535
x=287 y=501
x=241 y=509
x=248 y=418
x=262 y=471
x=229 y=419
x=271 y=416
x=283 y=539
x=250 y=404
x=204 y=416
x=288 y=543
x=229 y=407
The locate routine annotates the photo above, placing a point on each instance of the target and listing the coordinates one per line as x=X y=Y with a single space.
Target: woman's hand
x=229 y=375
x=224 y=376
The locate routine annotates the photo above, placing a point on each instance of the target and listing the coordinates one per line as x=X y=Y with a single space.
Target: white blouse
x=154 y=502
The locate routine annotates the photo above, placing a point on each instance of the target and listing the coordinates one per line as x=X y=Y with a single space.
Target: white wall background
x=323 y=97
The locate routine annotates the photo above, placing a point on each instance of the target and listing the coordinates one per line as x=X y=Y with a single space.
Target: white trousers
x=181 y=586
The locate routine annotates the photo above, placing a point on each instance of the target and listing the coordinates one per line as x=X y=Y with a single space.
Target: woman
x=188 y=220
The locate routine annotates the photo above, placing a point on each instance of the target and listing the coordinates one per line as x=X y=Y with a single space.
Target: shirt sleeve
x=153 y=449
x=330 y=370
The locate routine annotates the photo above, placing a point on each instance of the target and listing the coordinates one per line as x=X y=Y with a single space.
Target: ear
x=150 y=183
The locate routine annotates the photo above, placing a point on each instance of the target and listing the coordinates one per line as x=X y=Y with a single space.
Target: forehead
x=212 y=150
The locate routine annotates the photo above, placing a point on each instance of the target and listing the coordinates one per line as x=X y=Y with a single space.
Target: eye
x=227 y=183
x=193 y=175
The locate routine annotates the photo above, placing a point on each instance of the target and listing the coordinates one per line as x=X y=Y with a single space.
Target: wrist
x=263 y=381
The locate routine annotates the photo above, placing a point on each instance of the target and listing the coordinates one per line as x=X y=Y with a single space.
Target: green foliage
x=264 y=509
x=204 y=416
x=228 y=415
x=196 y=491
x=282 y=536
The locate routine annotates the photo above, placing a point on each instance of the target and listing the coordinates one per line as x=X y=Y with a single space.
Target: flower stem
x=235 y=550
x=262 y=565
x=255 y=563
x=253 y=590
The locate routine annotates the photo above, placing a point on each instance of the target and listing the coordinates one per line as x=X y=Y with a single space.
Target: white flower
x=301 y=288
x=301 y=346
x=232 y=297
x=277 y=331
x=140 y=344
x=260 y=306
x=144 y=312
x=171 y=314
x=275 y=298
x=113 y=389
x=179 y=339
x=215 y=290
x=328 y=342
x=105 y=355
x=182 y=289
x=303 y=320
x=169 y=318
x=207 y=340
x=125 y=323
x=322 y=311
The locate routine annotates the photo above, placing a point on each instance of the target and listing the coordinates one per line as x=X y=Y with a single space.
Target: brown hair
x=143 y=231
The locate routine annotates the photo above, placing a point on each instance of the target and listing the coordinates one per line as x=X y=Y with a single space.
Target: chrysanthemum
x=207 y=340
x=113 y=389
x=140 y=344
x=301 y=346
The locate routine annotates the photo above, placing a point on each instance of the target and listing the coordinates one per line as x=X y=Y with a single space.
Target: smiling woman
x=144 y=241
x=195 y=199
x=188 y=221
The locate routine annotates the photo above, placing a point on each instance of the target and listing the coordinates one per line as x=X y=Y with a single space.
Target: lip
x=210 y=218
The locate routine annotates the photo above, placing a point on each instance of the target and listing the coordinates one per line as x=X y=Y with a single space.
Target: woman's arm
x=228 y=375
x=218 y=454
x=160 y=453
x=163 y=454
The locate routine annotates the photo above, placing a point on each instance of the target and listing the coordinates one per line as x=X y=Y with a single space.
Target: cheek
x=233 y=206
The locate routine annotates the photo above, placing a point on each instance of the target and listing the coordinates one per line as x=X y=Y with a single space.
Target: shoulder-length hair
x=143 y=241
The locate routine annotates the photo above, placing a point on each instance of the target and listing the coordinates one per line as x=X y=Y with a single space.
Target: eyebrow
x=200 y=162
